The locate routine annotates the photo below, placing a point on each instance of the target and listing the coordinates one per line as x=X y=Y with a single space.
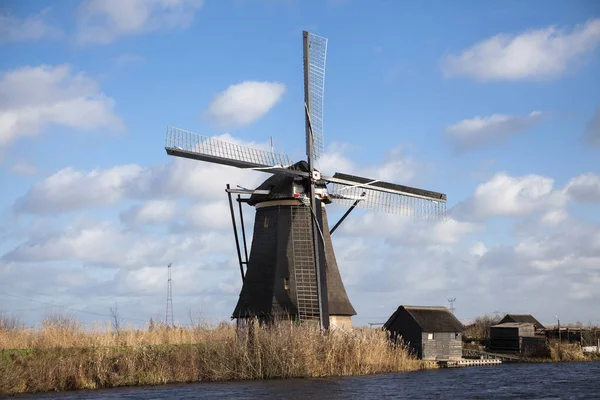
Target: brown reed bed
x=570 y=352
x=58 y=357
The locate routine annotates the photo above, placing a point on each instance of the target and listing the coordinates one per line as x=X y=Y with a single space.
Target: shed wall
x=443 y=346
x=504 y=339
x=510 y=338
x=405 y=327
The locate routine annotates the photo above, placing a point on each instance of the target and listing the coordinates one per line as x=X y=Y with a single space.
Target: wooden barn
x=432 y=333
x=516 y=337
x=522 y=318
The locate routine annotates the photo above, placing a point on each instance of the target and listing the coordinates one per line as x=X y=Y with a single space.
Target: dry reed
x=567 y=352
x=66 y=357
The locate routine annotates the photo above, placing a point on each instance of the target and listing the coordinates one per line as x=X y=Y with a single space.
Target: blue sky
x=494 y=103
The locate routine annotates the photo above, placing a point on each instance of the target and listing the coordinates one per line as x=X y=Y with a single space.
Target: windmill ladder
x=304 y=264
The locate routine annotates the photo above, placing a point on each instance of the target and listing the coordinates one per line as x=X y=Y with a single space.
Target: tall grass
x=66 y=357
x=569 y=352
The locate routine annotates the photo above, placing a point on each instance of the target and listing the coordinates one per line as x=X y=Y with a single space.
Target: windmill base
x=342 y=322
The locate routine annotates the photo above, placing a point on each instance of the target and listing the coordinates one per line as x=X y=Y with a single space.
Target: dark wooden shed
x=509 y=336
x=522 y=318
x=432 y=333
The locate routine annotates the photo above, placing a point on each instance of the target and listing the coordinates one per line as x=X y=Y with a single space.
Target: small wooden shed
x=509 y=336
x=432 y=333
x=522 y=318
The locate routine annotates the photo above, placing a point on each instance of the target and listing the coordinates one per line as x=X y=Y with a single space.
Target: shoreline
x=84 y=358
x=65 y=357
x=96 y=368
x=53 y=359
x=71 y=369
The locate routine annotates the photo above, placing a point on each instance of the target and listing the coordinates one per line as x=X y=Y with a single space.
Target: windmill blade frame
x=386 y=197
x=314 y=49
x=186 y=144
x=314 y=92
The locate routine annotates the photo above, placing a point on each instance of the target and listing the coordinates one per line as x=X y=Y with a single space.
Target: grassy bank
x=65 y=357
x=570 y=352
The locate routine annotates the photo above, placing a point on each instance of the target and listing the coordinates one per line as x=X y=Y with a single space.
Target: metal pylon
x=169 y=312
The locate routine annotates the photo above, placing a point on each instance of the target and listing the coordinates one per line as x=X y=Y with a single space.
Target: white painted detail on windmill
x=305 y=200
x=321 y=192
x=316 y=175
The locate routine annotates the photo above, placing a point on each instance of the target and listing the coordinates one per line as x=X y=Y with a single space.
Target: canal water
x=508 y=381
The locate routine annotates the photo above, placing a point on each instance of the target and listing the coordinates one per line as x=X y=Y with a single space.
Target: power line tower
x=451 y=301
x=169 y=313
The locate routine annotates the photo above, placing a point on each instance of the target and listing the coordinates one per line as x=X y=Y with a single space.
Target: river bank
x=66 y=357
x=508 y=381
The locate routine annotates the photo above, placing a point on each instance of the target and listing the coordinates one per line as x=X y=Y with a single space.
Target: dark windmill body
x=281 y=279
x=291 y=271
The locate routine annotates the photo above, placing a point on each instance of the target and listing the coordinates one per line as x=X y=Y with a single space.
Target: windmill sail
x=315 y=50
x=187 y=144
x=386 y=197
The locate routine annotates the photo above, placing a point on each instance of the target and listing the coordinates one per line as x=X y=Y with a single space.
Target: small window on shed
x=430 y=336
x=457 y=335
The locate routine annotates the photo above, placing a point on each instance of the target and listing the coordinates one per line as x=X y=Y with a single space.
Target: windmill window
x=266 y=224
x=286 y=283
x=430 y=336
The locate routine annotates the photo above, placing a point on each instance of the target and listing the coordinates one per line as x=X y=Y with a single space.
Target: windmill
x=292 y=270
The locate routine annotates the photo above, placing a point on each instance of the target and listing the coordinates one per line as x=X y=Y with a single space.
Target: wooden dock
x=470 y=353
x=466 y=362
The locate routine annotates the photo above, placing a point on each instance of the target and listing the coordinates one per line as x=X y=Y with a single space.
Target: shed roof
x=524 y=318
x=430 y=318
x=512 y=325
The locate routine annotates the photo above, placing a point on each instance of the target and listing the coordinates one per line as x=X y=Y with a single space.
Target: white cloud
x=244 y=103
x=396 y=166
x=22 y=167
x=554 y=217
x=533 y=54
x=507 y=196
x=151 y=212
x=480 y=131
x=34 y=27
x=398 y=229
x=573 y=245
x=592 y=129
x=584 y=188
x=478 y=249
x=69 y=190
x=102 y=243
x=214 y=215
x=103 y=21
x=32 y=98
